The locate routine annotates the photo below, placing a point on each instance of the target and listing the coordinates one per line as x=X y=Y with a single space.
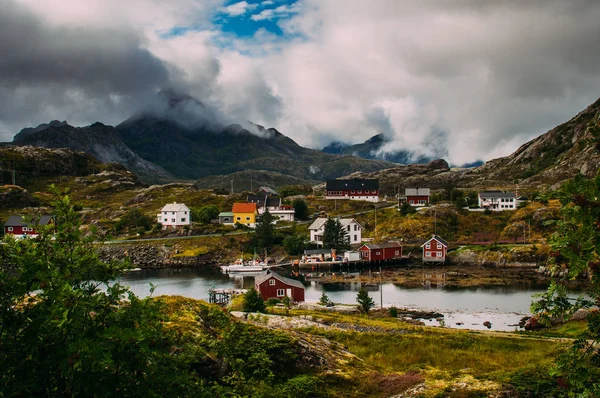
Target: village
x=348 y=246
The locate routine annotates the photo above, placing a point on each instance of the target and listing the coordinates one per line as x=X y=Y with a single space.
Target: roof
x=496 y=194
x=442 y=241
x=19 y=221
x=310 y=252
x=244 y=208
x=266 y=190
x=387 y=245
x=272 y=201
x=417 y=192
x=355 y=184
x=225 y=214
x=320 y=222
x=175 y=207
x=259 y=279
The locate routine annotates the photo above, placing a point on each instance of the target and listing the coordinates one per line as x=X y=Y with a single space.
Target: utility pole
x=14 y=178
x=251 y=182
x=434 y=221
x=232 y=187
x=380 y=290
x=375 y=207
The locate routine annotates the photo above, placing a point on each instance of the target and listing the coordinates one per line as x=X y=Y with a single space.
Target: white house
x=279 y=211
x=497 y=200
x=174 y=215
x=352 y=227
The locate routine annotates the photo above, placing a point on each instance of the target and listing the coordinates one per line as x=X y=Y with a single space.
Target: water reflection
x=502 y=305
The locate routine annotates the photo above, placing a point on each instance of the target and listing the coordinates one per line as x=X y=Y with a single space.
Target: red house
x=17 y=226
x=272 y=285
x=355 y=189
x=434 y=250
x=417 y=196
x=381 y=251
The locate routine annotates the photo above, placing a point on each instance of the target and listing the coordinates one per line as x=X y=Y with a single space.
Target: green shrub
x=253 y=302
x=393 y=312
x=273 y=301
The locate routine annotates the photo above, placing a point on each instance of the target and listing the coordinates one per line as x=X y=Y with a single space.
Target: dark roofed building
x=381 y=251
x=19 y=227
x=354 y=189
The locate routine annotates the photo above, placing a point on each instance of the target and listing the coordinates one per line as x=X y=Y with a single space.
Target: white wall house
x=352 y=227
x=273 y=203
x=174 y=215
x=497 y=201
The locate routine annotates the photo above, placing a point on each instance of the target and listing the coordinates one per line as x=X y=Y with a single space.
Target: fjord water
x=462 y=307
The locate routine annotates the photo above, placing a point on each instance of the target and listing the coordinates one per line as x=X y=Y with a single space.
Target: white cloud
x=491 y=75
x=277 y=12
x=238 y=9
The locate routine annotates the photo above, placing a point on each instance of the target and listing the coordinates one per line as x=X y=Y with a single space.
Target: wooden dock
x=223 y=296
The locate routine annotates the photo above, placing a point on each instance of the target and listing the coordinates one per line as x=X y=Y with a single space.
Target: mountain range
x=179 y=138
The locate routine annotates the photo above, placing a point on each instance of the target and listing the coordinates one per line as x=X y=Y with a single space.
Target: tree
x=300 y=209
x=406 y=209
x=134 y=218
x=62 y=334
x=324 y=300
x=253 y=302
x=576 y=252
x=335 y=235
x=264 y=233
x=365 y=303
x=205 y=214
x=293 y=244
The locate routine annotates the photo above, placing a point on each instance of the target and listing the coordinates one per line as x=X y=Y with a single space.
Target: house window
x=356 y=238
x=428 y=246
x=348 y=228
x=30 y=229
x=172 y=212
x=439 y=254
x=247 y=218
x=328 y=193
x=165 y=213
x=378 y=253
x=359 y=191
x=280 y=292
x=412 y=202
x=397 y=252
x=172 y=220
x=355 y=227
x=272 y=282
x=185 y=212
x=183 y=220
x=238 y=218
x=427 y=254
x=10 y=229
x=352 y=191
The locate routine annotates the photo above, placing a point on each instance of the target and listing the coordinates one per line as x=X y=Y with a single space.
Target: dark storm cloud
x=60 y=72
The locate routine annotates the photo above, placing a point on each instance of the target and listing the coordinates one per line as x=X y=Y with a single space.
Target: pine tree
x=365 y=303
x=335 y=235
x=253 y=302
x=264 y=232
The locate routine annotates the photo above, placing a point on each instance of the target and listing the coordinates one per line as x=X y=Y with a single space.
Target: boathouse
x=381 y=251
x=434 y=250
x=272 y=285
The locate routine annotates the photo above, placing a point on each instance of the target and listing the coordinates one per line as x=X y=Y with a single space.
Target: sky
x=471 y=79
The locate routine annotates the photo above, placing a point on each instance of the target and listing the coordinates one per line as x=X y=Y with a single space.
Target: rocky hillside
x=546 y=161
x=98 y=140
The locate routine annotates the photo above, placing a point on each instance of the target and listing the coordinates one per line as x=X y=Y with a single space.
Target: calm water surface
x=502 y=306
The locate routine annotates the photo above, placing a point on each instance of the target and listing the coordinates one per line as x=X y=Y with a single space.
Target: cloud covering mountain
x=490 y=75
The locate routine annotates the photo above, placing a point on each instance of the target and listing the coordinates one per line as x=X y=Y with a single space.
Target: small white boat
x=242 y=266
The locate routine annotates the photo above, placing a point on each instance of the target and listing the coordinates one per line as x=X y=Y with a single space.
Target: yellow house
x=244 y=213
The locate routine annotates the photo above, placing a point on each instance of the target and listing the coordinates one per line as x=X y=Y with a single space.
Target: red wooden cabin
x=381 y=251
x=272 y=285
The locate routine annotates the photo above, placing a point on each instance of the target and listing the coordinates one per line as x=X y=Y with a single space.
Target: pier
x=223 y=296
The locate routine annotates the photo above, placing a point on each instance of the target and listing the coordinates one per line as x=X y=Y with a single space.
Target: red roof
x=244 y=208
